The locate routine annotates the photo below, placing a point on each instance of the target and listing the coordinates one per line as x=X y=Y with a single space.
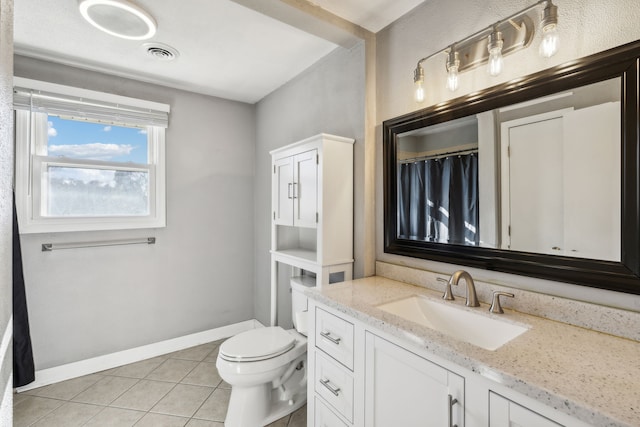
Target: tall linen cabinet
x=312 y=210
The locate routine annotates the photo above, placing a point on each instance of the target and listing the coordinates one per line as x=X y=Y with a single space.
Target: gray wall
x=6 y=177
x=585 y=26
x=198 y=276
x=328 y=97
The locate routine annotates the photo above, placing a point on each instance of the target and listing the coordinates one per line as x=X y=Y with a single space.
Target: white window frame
x=32 y=162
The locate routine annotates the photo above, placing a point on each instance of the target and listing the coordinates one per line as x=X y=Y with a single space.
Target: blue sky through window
x=95 y=141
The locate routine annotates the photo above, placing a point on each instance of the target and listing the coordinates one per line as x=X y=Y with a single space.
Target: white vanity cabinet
x=404 y=389
x=362 y=376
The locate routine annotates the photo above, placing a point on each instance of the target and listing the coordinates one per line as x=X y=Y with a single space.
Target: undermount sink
x=462 y=324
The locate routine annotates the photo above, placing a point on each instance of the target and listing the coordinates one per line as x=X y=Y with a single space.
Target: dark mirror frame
x=623 y=276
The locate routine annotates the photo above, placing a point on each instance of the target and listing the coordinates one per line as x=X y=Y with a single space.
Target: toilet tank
x=299 y=301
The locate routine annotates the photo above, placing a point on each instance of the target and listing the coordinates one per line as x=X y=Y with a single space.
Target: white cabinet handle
x=328 y=336
x=295 y=190
x=327 y=384
x=289 y=190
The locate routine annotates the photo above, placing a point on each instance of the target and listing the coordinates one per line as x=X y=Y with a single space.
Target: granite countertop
x=589 y=375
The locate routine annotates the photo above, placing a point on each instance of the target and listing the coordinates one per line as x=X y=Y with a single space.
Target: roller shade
x=82 y=108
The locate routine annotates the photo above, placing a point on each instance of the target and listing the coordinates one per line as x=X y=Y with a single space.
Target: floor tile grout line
x=189 y=418
x=116 y=398
x=203 y=402
x=43 y=416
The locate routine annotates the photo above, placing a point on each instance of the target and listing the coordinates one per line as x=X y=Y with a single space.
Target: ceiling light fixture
x=119 y=18
x=491 y=44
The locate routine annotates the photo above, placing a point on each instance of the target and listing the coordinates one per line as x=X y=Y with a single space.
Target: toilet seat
x=257 y=344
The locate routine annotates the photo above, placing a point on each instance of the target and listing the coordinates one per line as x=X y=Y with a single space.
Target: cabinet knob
x=495 y=302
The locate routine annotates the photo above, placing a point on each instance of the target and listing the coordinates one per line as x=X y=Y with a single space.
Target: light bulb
x=418 y=79
x=495 y=53
x=550 y=41
x=549 y=26
x=495 y=62
x=453 y=63
x=419 y=95
x=452 y=79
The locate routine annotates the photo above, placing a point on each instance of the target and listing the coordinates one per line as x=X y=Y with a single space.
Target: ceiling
x=234 y=49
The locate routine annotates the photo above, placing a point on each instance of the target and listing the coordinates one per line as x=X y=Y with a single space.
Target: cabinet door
x=305 y=189
x=403 y=389
x=282 y=191
x=505 y=413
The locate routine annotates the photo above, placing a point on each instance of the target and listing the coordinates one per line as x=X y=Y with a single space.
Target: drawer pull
x=451 y=402
x=328 y=336
x=327 y=384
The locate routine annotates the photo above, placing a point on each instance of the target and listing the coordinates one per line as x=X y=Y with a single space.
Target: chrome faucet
x=472 y=298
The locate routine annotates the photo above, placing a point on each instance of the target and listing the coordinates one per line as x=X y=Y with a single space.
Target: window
x=87 y=160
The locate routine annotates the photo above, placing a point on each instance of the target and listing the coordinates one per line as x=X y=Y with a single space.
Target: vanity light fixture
x=119 y=18
x=491 y=44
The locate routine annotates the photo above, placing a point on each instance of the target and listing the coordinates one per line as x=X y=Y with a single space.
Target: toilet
x=267 y=369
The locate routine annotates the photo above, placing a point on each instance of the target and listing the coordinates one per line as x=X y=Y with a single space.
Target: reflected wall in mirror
x=541 y=176
x=537 y=176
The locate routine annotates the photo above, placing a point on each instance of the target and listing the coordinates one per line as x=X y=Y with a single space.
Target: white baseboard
x=108 y=361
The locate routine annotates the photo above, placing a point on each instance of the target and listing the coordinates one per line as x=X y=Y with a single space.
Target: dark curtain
x=438 y=200
x=23 y=368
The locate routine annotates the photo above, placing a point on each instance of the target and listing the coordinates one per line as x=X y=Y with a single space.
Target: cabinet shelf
x=295 y=257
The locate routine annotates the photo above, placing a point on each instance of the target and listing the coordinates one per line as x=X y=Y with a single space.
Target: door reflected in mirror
x=542 y=176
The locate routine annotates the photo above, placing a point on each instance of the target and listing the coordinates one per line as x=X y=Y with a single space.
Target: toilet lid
x=257 y=344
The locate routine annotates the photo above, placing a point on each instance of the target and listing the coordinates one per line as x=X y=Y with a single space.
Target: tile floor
x=177 y=389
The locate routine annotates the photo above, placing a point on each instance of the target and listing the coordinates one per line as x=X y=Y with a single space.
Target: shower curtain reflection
x=438 y=200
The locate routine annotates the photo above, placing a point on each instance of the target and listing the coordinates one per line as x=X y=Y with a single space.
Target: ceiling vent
x=160 y=51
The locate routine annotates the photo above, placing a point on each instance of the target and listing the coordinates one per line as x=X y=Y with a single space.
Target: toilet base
x=254 y=406
x=262 y=404
x=281 y=408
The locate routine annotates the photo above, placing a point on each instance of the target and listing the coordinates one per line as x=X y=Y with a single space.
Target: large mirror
x=537 y=176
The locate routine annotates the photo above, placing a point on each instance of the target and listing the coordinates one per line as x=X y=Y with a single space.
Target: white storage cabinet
x=312 y=210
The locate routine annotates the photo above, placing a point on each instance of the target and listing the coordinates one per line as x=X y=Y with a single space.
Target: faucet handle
x=495 y=302
x=448 y=295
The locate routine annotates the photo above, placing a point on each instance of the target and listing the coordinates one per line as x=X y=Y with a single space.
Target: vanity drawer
x=325 y=416
x=335 y=337
x=334 y=384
